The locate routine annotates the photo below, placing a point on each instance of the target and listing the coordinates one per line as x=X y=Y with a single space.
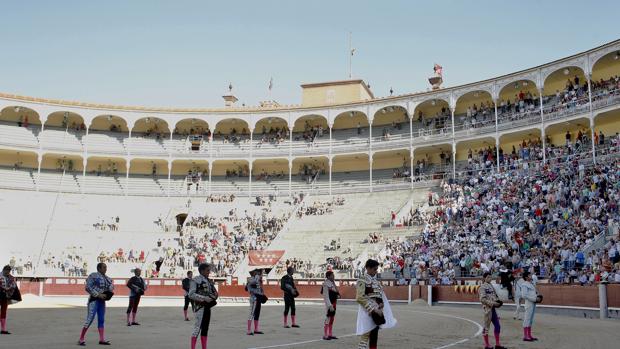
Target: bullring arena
x=419 y=327
x=445 y=205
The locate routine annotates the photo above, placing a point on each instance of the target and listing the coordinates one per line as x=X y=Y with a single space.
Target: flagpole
x=350 y=56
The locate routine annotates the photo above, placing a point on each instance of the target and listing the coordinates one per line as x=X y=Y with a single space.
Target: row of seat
x=75 y=182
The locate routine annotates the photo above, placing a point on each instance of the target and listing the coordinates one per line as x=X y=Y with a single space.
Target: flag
x=270 y=83
x=264 y=257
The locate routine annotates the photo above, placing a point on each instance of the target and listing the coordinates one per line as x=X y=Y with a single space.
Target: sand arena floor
x=56 y=324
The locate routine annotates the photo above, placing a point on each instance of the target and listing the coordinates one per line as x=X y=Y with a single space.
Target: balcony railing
x=343 y=141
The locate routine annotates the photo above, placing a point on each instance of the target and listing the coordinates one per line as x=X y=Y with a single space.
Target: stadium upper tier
x=370 y=142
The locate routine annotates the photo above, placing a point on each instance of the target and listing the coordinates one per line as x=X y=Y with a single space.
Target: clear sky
x=184 y=53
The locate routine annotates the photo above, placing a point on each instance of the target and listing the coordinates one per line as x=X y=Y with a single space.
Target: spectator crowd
x=544 y=220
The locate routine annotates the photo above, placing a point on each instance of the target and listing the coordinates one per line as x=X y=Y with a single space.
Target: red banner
x=264 y=258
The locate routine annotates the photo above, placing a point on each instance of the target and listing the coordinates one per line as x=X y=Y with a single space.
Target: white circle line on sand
x=461 y=341
x=479 y=332
x=299 y=343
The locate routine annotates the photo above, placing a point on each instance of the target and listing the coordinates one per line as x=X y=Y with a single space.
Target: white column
x=290 y=177
x=602 y=300
x=542 y=124
x=330 y=139
x=83 y=172
x=496 y=117
x=85 y=154
x=210 y=140
x=592 y=140
x=39 y=137
x=429 y=292
x=496 y=134
x=411 y=129
x=331 y=160
x=369 y=135
x=128 y=162
x=170 y=148
x=169 y=175
x=452 y=109
x=589 y=77
x=409 y=294
x=250 y=180
x=251 y=144
x=129 y=143
x=411 y=148
x=411 y=166
x=251 y=163
x=290 y=142
x=453 y=159
x=210 y=170
x=331 y=163
x=39 y=160
x=84 y=164
x=370 y=169
x=497 y=152
x=370 y=151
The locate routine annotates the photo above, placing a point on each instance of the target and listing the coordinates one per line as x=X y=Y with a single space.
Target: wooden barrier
x=613 y=295
x=554 y=295
x=29 y=286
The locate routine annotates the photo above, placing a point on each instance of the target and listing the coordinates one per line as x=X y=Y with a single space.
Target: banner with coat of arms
x=264 y=257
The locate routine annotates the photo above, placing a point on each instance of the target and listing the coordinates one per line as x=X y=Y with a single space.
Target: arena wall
x=573 y=296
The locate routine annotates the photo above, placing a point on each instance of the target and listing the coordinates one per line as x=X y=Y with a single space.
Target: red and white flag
x=264 y=257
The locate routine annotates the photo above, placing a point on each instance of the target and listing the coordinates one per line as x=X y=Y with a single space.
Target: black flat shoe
x=135 y=324
x=5 y=332
x=81 y=344
x=326 y=338
x=333 y=337
x=286 y=326
x=104 y=343
x=259 y=332
x=250 y=333
x=296 y=326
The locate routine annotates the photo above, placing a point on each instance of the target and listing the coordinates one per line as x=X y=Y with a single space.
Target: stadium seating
x=69 y=216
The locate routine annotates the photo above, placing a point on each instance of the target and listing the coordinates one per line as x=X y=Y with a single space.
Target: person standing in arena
x=257 y=298
x=8 y=292
x=519 y=280
x=100 y=290
x=137 y=287
x=204 y=295
x=506 y=279
x=374 y=310
x=490 y=301
x=287 y=284
x=330 y=297
x=531 y=296
x=185 y=284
